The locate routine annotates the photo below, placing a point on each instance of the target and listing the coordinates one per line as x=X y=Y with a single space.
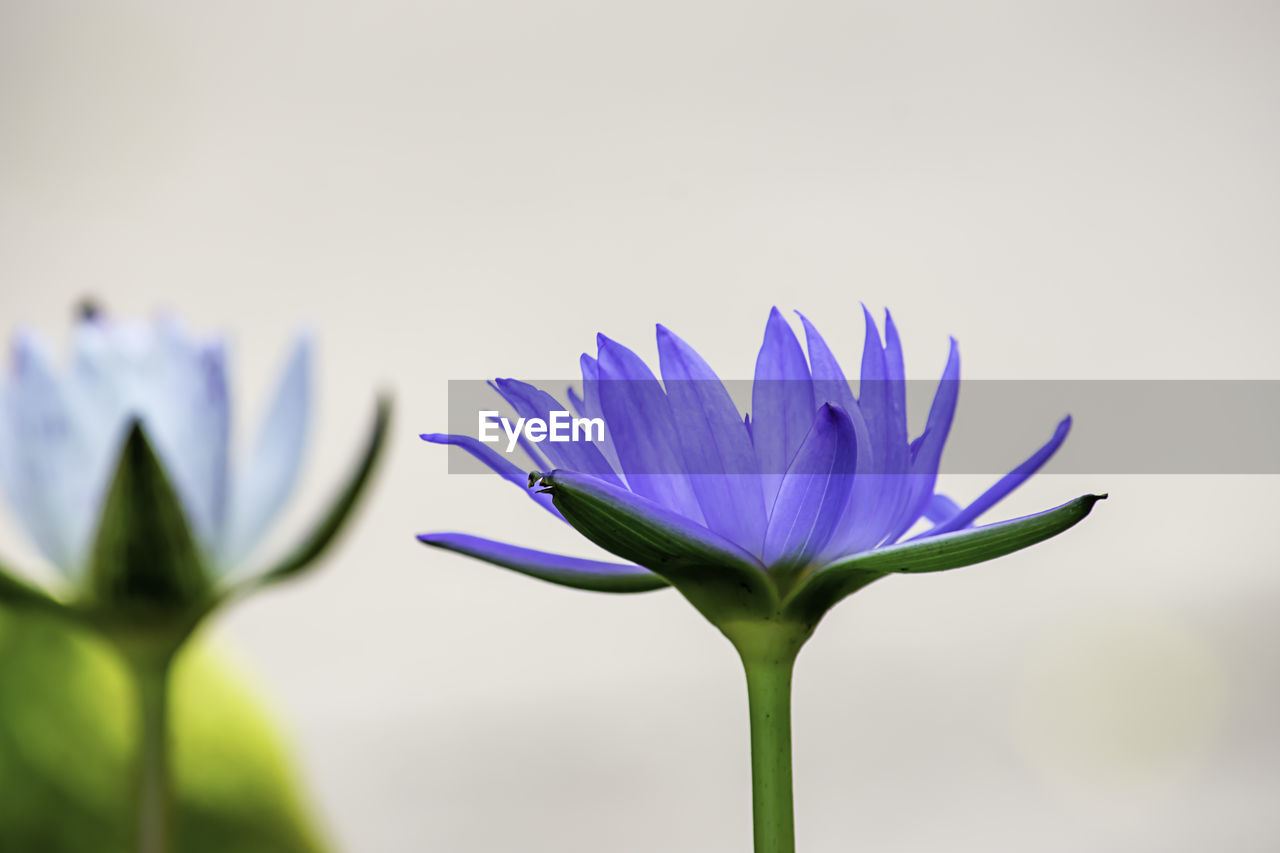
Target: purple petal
x=581 y=455
x=829 y=382
x=557 y=568
x=940 y=508
x=927 y=449
x=781 y=401
x=882 y=398
x=895 y=391
x=495 y=461
x=539 y=461
x=883 y=485
x=638 y=417
x=579 y=405
x=814 y=492
x=591 y=408
x=865 y=517
x=1005 y=484
x=717 y=449
x=928 y=453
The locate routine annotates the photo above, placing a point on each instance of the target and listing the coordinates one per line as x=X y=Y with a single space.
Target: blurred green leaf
x=67 y=743
x=326 y=530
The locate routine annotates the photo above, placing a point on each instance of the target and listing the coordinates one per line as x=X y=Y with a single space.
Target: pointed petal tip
x=777 y=323
x=24 y=346
x=606 y=344
x=304 y=338
x=953 y=353
x=301 y=353
x=873 y=331
x=811 y=332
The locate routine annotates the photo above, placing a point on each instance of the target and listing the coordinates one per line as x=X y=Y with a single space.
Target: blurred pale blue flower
x=120 y=467
x=62 y=430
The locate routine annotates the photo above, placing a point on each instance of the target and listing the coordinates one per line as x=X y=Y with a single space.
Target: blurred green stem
x=153 y=789
x=768 y=651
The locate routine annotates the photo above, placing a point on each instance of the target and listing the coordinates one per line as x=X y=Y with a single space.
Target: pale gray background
x=461 y=190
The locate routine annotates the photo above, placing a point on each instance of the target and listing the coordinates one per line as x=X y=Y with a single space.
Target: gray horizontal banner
x=1119 y=426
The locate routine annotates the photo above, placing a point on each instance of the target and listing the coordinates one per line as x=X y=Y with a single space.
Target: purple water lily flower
x=763 y=521
x=815 y=486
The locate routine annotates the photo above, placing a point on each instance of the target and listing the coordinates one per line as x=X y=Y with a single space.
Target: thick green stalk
x=768 y=651
x=153 y=781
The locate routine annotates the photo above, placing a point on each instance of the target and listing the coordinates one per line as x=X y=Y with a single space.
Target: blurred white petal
x=177 y=387
x=53 y=468
x=264 y=479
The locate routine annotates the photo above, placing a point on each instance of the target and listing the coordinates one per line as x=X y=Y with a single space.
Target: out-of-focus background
x=463 y=190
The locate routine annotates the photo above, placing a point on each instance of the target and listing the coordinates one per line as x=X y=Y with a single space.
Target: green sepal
x=144 y=566
x=326 y=530
x=822 y=589
x=725 y=583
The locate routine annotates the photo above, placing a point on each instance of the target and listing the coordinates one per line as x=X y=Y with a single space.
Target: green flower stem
x=768 y=651
x=769 y=698
x=154 y=781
